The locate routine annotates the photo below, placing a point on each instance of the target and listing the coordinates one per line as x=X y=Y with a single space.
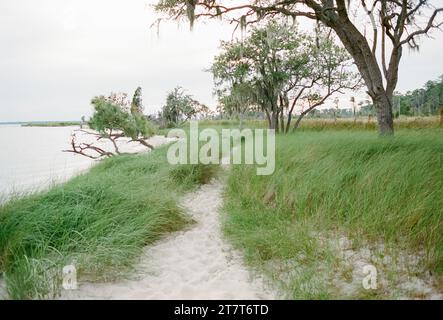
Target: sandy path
x=196 y=263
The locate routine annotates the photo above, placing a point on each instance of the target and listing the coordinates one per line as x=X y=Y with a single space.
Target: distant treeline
x=52 y=124
x=423 y=101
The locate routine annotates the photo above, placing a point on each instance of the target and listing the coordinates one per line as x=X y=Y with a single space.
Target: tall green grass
x=99 y=221
x=387 y=190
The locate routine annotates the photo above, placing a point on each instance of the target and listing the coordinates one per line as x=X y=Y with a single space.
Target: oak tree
x=394 y=23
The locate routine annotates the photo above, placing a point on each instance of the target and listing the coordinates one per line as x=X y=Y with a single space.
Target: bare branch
x=94 y=152
x=429 y=26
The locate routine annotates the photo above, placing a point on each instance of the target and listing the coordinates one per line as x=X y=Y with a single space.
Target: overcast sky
x=56 y=55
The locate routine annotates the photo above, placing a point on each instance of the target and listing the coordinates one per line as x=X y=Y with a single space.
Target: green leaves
x=277 y=63
x=111 y=114
x=254 y=71
x=181 y=107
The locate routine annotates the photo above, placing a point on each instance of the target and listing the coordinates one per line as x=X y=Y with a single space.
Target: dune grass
x=379 y=190
x=387 y=190
x=99 y=221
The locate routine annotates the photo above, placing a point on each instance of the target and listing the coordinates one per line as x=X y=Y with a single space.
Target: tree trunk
x=357 y=46
x=274 y=121
x=297 y=123
x=277 y=122
x=282 y=109
x=353 y=110
x=288 y=122
x=240 y=118
x=282 y=121
x=268 y=117
x=383 y=107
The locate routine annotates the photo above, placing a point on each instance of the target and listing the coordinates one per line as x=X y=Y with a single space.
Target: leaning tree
x=394 y=23
x=114 y=119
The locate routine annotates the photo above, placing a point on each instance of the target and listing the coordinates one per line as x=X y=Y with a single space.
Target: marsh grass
x=52 y=124
x=372 y=189
x=317 y=124
x=99 y=221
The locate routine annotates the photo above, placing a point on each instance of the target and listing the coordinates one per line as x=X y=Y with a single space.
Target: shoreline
x=43 y=182
x=148 y=210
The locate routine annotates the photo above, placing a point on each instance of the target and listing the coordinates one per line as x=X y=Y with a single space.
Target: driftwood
x=93 y=152
x=143 y=142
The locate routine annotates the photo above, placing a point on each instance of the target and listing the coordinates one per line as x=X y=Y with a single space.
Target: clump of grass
x=372 y=188
x=99 y=221
x=187 y=176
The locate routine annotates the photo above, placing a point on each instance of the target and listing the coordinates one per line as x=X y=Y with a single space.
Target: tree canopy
x=137 y=104
x=114 y=117
x=276 y=67
x=394 y=24
x=181 y=107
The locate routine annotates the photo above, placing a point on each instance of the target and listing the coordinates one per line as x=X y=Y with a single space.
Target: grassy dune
x=100 y=221
x=328 y=184
x=333 y=183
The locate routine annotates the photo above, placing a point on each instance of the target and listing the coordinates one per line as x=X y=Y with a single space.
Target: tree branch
x=425 y=30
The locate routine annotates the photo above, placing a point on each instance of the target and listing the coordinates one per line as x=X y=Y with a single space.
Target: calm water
x=31 y=158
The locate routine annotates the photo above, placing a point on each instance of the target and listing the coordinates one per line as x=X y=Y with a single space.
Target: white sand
x=399 y=277
x=193 y=264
